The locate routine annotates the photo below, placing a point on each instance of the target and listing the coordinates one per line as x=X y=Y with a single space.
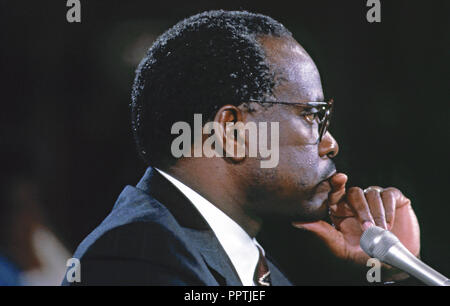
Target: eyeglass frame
x=325 y=106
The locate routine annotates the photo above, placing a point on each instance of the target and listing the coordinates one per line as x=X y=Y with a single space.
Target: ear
x=231 y=137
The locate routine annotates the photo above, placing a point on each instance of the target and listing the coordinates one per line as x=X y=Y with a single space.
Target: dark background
x=65 y=91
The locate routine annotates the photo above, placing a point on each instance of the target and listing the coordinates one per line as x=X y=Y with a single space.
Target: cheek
x=295 y=131
x=299 y=152
x=299 y=164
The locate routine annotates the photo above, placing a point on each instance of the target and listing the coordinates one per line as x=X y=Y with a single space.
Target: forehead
x=297 y=75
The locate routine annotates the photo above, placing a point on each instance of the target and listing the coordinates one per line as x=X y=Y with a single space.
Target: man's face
x=297 y=188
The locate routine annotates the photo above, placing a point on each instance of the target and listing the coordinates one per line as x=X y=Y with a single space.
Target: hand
x=355 y=210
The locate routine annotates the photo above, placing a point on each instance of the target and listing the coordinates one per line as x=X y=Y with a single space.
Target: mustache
x=330 y=170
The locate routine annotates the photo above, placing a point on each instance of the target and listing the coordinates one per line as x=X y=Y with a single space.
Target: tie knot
x=262 y=273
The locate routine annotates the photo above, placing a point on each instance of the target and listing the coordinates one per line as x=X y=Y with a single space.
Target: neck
x=215 y=181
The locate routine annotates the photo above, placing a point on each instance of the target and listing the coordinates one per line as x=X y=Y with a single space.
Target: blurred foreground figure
x=30 y=254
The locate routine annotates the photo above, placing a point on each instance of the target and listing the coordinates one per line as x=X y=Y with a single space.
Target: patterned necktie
x=262 y=273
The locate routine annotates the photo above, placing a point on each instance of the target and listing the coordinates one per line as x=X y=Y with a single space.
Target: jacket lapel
x=214 y=256
x=276 y=276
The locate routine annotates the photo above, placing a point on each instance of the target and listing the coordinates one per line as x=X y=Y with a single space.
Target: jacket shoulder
x=139 y=238
x=143 y=253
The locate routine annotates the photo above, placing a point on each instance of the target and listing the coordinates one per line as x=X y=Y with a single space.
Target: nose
x=328 y=146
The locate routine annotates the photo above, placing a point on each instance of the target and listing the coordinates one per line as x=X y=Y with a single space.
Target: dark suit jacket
x=155 y=236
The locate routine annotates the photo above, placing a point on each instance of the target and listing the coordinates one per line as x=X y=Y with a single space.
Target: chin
x=298 y=208
x=318 y=211
x=313 y=209
x=316 y=206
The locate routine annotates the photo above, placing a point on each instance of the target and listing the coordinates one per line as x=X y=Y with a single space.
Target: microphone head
x=376 y=242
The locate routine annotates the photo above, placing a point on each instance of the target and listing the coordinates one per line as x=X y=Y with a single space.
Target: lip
x=328 y=177
x=323 y=186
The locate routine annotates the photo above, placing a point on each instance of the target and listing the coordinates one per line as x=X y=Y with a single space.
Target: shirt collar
x=239 y=246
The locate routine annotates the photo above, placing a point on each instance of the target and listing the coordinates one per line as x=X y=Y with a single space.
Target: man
x=192 y=219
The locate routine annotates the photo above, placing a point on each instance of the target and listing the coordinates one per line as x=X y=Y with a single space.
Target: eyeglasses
x=323 y=113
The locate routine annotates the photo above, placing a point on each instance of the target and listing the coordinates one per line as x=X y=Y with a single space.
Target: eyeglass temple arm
x=311 y=103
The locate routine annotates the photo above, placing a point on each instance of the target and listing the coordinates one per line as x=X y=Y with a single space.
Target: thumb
x=322 y=230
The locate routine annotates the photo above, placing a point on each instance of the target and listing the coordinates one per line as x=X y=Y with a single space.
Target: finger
x=341 y=210
x=337 y=183
x=357 y=201
x=399 y=197
x=388 y=198
x=376 y=206
x=336 y=203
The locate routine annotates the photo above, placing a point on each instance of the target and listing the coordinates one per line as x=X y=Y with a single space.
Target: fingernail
x=299 y=226
x=367 y=224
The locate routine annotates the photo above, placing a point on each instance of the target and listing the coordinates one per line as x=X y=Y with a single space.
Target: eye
x=311 y=117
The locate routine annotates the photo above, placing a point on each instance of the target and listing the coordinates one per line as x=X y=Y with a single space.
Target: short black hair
x=202 y=63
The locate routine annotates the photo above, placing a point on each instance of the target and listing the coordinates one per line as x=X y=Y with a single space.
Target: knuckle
x=389 y=193
x=392 y=190
x=379 y=219
x=353 y=191
x=366 y=219
x=372 y=193
x=375 y=187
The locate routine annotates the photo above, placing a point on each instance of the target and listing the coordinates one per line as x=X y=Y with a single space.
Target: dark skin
x=305 y=186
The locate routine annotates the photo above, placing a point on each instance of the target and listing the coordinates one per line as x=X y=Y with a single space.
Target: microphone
x=385 y=246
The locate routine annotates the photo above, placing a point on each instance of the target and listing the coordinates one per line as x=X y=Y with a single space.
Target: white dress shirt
x=239 y=246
